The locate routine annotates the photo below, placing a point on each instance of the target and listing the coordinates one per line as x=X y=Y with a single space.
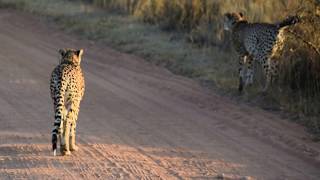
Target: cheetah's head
x=71 y=56
x=230 y=19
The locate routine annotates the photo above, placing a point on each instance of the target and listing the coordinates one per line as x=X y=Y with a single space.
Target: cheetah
x=256 y=42
x=67 y=89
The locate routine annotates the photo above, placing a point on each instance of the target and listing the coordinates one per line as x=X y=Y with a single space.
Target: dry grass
x=200 y=18
x=298 y=88
x=300 y=75
x=186 y=36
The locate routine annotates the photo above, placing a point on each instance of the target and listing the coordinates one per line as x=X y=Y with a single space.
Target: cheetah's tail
x=290 y=20
x=59 y=109
x=54 y=144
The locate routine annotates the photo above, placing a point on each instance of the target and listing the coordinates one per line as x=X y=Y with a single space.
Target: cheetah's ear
x=80 y=52
x=62 y=52
x=227 y=15
x=241 y=14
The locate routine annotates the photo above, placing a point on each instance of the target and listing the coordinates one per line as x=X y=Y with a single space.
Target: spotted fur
x=67 y=89
x=256 y=42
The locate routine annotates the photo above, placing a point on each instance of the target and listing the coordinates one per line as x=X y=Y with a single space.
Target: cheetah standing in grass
x=67 y=89
x=256 y=42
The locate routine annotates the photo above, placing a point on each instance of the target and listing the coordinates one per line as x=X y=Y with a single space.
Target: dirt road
x=137 y=121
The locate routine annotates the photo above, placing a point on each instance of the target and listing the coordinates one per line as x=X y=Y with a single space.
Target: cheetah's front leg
x=241 y=72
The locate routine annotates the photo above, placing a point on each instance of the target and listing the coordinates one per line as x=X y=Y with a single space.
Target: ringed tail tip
x=54 y=148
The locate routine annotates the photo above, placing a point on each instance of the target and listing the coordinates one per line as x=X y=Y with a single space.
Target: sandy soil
x=137 y=121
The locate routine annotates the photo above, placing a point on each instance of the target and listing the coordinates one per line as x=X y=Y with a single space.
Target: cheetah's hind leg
x=73 y=146
x=73 y=116
x=271 y=74
x=250 y=70
x=62 y=130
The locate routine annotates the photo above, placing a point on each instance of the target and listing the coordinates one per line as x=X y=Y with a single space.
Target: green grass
x=179 y=50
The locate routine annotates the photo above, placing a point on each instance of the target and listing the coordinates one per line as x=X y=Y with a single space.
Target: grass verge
x=128 y=35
